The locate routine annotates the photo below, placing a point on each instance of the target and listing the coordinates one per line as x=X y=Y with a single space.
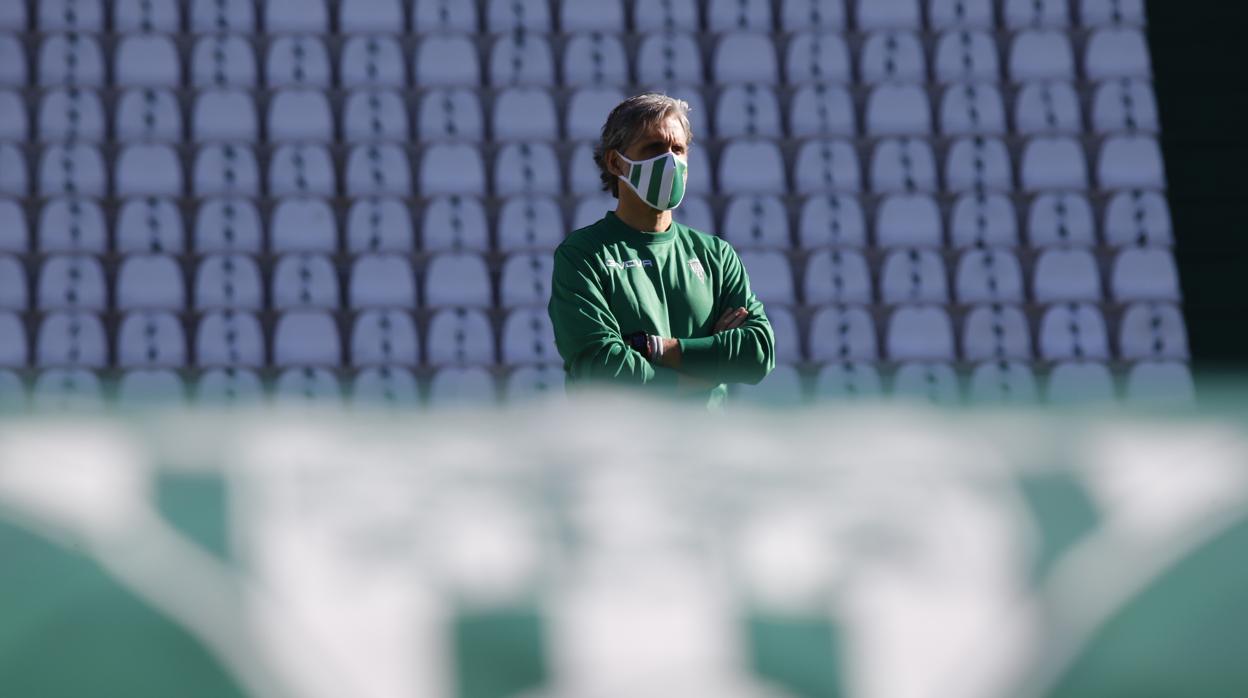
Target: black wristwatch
x=639 y=341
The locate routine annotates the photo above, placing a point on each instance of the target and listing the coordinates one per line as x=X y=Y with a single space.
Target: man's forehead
x=668 y=129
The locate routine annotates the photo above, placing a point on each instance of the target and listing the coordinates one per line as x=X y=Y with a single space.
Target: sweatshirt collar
x=633 y=235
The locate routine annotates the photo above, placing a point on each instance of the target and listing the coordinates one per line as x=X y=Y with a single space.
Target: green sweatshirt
x=611 y=280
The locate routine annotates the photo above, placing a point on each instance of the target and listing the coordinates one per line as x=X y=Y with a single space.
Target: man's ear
x=615 y=164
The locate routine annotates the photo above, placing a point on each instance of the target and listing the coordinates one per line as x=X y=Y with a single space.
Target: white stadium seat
x=471 y=386
x=299 y=115
x=696 y=213
x=223 y=60
x=817 y=58
x=306 y=338
x=146 y=60
x=887 y=14
x=14 y=294
x=932 y=382
x=594 y=59
x=837 y=276
x=1022 y=14
x=983 y=219
x=449 y=16
x=384 y=337
x=148 y=170
x=71 y=339
x=831 y=220
x=822 y=110
x=1138 y=217
x=309 y=386
x=14 y=344
x=14 y=124
x=587 y=109
x=1003 y=382
x=898 y=110
x=958 y=14
x=1130 y=162
x=528 y=167
x=972 y=108
x=1058 y=219
x=451 y=114
x=748 y=111
x=1041 y=54
x=71 y=282
x=522 y=59
x=12 y=392
x=225 y=224
x=378 y=169
x=379 y=224
x=1160 y=383
x=591 y=15
x=771 y=276
x=71 y=113
x=296 y=16
x=1062 y=274
x=364 y=16
x=1073 y=331
x=1047 y=107
x=966 y=55
x=457 y=279
x=1119 y=52
x=978 y=163
x=14 y=232
x=528 y=223
x=524 y=113
x=903 y=164
x=303 y=224
x=673 y=15
x=374 y=115
x=226 y=168
x=744 y=57
x=13 y=68
x=224 y=387
x=509 y=15
x=302 y=169
x=788 y=337
x=826 y=165
x=848 y=381
x=228 y=281
x=989 y=276
x=996 y=332
x=72 y=224
x=913 y=276
x=373 y=61
x=70 y=15
x=1125 y=104
x=13 y=17
x=820 y=14
x=525 y=280
x=75 y=390
x=459 y=336
x=149 y=224
x=227 y=114
x=151 y=339
x=908 y=220
x=229 y=338
x=739 y=15
x=150 y=282
x=1152 y=331
x=528 y=338
x=892 y=56
x=147 y=115
x=669 y=58
x=454 y=223
x=385 y=386
x=304 y=281
x=149 y=388
x=297 y=61
x=842 y=333
x=1080 y=382
x=1096 y=13
x=72 y=169
x=382 y=281
x=1148 y=274
x=1053 y=163
x=783 y=386
x=590 y=209
x=14 y=180
x=756 y=222
x=535 y=382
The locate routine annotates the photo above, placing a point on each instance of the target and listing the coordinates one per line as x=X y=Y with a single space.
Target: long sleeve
x=587 y=334
x=745 y=354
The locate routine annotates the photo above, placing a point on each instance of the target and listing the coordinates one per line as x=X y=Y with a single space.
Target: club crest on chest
x=696 y=267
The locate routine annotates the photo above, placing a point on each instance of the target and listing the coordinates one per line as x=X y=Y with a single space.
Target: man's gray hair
x=630 y=118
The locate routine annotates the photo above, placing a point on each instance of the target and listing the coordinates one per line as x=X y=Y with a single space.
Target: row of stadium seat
x=524 y=336
x=427 y=16
x=531 y=113
x=310 y=224
x=589 y=59
x=1145 y=383
x=746 y=166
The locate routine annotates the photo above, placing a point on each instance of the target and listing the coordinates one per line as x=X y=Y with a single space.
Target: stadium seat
x=524 y=113
x=297 y=61
x=14 y=181
x=457 y=279
x=226 y=224
x=1003 y=382
x=224 y=387
x=226 y=168
x=784 y=386
x=903 y=164
x=920 y=332
x=223 y=60
x=943 y=15
x=1063 y=274
x=71 y=169
x=454 y=223
x=71 y=282
x=150 y=282
x=452 y=168
x=594 y=59
x=70 y=15
x=528 y=338
x=308 y=386
x=831 y=220
x=228 y=114
x=788 y=337
x=444 y=16
x=932 y=382
x=525 y=168
x=586 y=111
x=1060 y=219
x=741 y=57
x=977 y=163
x=146 y=60
x=1080 y=382
x=898 y=110
x=12 y=393
x=303 y=224
x=842 y=333
x=72 y=338
x=1047 y=107
x=972 y=109
x=525 y=280
x=966 y=55
x=13 y=69
x=72 y=390
x=747 y=110
x=304 y=281
x=228 y=281
x=296 y=16
x=522 y=59
x=535 y=382
x=1125 y=104
x=147 y=16
x=1138 y=217
x=1160 y=383
x=1119 y=52
x=892 y=56
x=824 y=165
x=983 y=219
x=447 y=60
x=302 y=169
x=379 y=224
x=73 y=113
x=461 y=387
x=1041 y=54
x=451 y=114
x=149 y=388
x=229 y=338
x=14 y=124
x=14 y=232
x=382 y=281
x=771 y=276
x=150 y=339
x=148 y=170
x=756 y=222
x=1152 y=331
x=913 y=276
x=13 y=17
x=370 y=16
x=298 y=115
x=146 y=115
x=14 y=345
x=372 y=61
x=583 y=174
x=1148 y=274
x=511 y=15
x=848 y=380
x=525 y=223
x=825 y=15
x=817 y=58
x=996 y=332
x=306 y=338
x=836 y=276
x=13 y=285
x=460 y=336
x=908 y=220
x=1130 y=162
x=651 y=16
x=821 y=110
x=739 y=15
x=1023 y=14
x=379 y=169
x=1053 y=162
x=384 y=337
x=590 y=209
x=989 y=276
x=385 y=386
x=1073 y=331
x=887 y=14
x=1098 y=13
x=72 y=224
x=669 y=58
x=696 y=213
x=374 y=115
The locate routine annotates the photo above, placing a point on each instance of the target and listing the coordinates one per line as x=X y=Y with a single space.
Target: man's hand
x=731 y=319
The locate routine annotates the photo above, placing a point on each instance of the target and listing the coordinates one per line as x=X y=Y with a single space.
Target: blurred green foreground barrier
x=619 y=550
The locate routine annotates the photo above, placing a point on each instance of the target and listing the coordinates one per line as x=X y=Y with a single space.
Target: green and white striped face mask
x=659 y=181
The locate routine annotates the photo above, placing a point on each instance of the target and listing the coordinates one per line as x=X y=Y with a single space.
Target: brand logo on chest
x=628 y=264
